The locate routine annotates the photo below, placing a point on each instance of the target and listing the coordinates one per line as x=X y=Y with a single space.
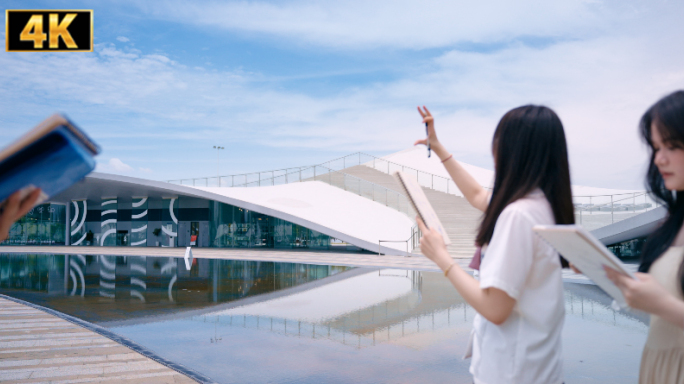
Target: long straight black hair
x=529 y=152
x=667 y=116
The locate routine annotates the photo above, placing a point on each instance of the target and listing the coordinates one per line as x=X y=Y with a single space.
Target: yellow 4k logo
x=53 y=30
x=34 y=31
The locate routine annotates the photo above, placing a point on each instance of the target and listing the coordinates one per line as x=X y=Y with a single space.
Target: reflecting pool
x=246 y=321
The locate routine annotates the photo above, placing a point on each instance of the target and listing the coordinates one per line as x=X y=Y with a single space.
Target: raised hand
x=432 y=245
x=427 y=118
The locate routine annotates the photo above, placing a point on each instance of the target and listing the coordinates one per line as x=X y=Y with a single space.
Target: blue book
x=52 y=156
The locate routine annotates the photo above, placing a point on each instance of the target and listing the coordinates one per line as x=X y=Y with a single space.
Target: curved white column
x=73 y=222
x=85 y=212
x=105 y=234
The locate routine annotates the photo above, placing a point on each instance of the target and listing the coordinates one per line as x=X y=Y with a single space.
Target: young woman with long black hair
x=519 y=297
x=660 y=291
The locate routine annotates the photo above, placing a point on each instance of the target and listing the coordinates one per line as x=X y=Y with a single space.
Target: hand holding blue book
x=52 y=156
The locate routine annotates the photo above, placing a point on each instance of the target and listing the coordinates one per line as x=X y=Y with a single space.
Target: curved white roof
x=326 y=209
x=311 y=204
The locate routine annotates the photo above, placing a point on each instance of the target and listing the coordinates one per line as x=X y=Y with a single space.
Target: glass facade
x=629 y=248
x=43 y=225
x=235 y=227
x=164 y=222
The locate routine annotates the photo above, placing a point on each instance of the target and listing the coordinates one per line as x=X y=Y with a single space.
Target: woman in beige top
x=660 y=291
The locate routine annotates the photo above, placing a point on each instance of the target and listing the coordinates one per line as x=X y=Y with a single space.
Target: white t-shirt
x=526 y=348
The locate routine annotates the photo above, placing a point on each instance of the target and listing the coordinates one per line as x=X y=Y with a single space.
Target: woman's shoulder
x=534 y=207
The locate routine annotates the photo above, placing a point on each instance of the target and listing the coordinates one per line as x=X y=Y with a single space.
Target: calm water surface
x=245 y=321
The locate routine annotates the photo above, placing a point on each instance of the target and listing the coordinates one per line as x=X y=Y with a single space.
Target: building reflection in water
x=248 y=321
x=373 y=309
x=354 y=306
x=134 y=286
x=367 y=313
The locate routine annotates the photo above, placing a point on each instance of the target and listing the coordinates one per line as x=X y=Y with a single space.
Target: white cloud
x=391 y=23
x=119 y=166
x=123 y=39
x=599 y=80
x=116 y=165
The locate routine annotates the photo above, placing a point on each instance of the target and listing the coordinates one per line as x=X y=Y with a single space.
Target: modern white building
x=351 y=203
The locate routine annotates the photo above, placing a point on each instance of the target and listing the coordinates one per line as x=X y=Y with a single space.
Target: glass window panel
x=44 y=224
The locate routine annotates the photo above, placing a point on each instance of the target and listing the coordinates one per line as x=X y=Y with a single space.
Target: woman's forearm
x=493 y=304
x=476 y=195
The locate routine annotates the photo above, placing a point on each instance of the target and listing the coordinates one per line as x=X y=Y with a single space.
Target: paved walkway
x=352 y=259
x=36 y=347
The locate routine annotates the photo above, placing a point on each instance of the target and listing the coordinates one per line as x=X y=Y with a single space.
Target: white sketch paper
x=421 y=204
x=586 y=253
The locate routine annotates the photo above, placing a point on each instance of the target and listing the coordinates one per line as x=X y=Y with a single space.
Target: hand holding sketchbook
x=587 y=254
x=52 y=156
x=421 y=204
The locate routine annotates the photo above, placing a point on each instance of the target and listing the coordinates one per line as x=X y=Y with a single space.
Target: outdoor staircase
x=458 y=217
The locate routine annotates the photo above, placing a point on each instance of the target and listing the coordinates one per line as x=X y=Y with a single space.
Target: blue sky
x=291 y=83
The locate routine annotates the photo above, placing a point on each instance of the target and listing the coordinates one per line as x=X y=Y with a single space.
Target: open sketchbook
x=52 y=156
x=587 y=253
x=421 y=204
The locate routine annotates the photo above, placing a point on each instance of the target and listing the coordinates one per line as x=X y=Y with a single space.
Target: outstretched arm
x=477 y=196
x=492 y=303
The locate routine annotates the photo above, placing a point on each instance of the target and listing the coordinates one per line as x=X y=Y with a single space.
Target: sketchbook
x=587 y=253
x=421 y=204
x=52 y=156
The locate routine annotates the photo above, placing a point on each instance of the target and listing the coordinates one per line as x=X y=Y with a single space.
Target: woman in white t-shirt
x=519 y=297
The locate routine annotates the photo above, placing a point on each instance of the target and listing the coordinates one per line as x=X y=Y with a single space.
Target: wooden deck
x=37 y=347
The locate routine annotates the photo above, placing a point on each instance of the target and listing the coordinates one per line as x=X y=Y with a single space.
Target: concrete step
x=458 y=217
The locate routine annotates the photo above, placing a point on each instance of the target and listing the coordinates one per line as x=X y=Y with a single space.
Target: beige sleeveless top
x=663 y=359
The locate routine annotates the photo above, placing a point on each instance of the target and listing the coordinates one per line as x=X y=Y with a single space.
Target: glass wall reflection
x=159 y=281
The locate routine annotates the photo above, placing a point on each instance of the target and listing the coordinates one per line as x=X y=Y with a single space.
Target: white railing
x=425 y=179
x=428 y=180
x=599 y=210
x=361 y=187
x=591 y=211
x=237 y=180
